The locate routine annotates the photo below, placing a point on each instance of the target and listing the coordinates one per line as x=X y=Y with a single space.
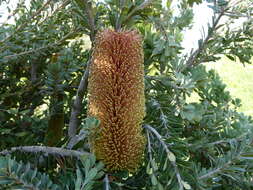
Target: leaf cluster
x=196 y=138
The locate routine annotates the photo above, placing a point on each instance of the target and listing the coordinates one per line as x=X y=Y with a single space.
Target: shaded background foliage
x=200 y=144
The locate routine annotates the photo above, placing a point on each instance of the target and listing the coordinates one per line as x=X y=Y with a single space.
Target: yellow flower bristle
x=116 y=98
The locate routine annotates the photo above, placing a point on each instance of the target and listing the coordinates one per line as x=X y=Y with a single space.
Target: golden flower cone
x=116 y=98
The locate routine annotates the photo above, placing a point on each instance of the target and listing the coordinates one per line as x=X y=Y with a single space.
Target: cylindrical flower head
x=116 y=98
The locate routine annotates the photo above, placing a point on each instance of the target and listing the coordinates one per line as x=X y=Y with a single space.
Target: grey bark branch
x=173 y=163
x=150 y=151
x=76 y=139
x=34 y=67
x=106 y=182
x=77 y=105
x=91 y=20
x=45 y=149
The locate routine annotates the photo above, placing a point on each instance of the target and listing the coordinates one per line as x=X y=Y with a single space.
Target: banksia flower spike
x=116 y=98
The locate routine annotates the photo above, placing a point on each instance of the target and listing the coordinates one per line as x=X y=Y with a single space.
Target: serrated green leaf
x=153 y=180
x=149 y=169
x=246 y=158
x=165 y=164
x=5 y=181
x=92 y=159
x=171 y=157
x=186 y=185
x=160 y=187
x=87 y=166
x=91 y=175
x=79 y=177
x=21 y=134
x=154 y=165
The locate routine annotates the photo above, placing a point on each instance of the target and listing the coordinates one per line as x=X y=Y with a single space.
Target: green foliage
x=88 y=173
x=191 y=2
x=236 y=79
x=200 y=144
x=14 y=175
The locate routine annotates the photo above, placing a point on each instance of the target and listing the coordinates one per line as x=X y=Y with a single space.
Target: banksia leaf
x=116 y=98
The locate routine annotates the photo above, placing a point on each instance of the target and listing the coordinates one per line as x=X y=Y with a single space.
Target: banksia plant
x=116 y=98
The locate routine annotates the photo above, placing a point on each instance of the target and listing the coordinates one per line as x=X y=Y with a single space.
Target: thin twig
x=217 y=170
x=86 y=6
x=118 y=20
x=11 y=15
x=159 y=137
x=193 y=58
x=173 y=162
x=77 y=138
x=91 y=20
x=233 y=14
x=33 y=72
x=150 y=151
x=227 y=141
x=45 y=149
x=25 y=23
x=64 y=4
x=162 y=29
x=149 y=146
x=41 y=48
x=77 y=105
x=135 y=10
x=225 y=165
x=106 y=182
